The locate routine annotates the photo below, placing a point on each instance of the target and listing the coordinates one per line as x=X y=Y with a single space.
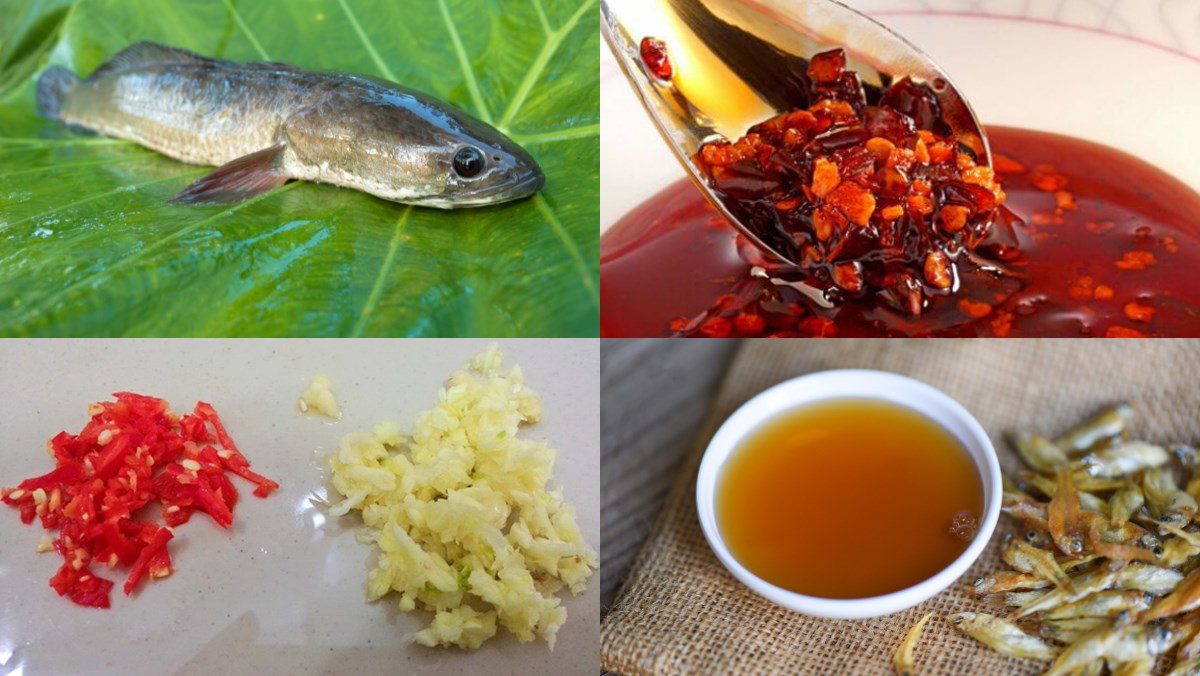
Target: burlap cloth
x=681 y=612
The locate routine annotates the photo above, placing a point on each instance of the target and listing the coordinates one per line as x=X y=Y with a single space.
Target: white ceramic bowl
x=842 y=384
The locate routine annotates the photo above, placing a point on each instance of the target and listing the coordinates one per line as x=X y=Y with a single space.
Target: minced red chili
x=866 y=199
x=133 y=451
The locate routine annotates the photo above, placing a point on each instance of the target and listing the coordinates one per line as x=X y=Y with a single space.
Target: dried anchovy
x=1105 y=569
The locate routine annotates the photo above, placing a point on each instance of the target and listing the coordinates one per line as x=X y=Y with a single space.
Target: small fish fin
x=237 y=180
x=273 y=65
x=145 y=53
x=52 y=89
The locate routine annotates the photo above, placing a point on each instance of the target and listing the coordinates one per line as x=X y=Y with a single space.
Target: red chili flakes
x=1003 y=164
x=1168 y=243
x=828 y=66
x=716 y=327
x=654 y=55
x=817 y=327
x=1139 y=312
x=1065 y=201
x=854 y=201
x=843 y=182
x=133 y=451
x=953 y=218
x=1123 y=332
x=750 y=324
x=848 y=276
x=825 y=177
x=1047 y=178
x=1104 y=292
x=1136 y=260
x=974 y=309
x=1082 y=288
x=1002 y=323
x=1099 y=227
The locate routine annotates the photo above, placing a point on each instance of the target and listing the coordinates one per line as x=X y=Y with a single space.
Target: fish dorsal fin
x=272 y=66
x=146 y=53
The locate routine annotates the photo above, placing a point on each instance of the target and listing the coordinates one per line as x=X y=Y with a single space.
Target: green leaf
x=89 y=245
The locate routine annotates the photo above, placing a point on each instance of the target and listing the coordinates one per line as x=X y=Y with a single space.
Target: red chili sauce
x=1089 y=241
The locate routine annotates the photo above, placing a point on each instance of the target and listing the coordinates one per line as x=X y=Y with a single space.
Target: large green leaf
x=89 y=246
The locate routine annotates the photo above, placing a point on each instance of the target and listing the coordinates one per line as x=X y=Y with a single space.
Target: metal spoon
x=739 y=62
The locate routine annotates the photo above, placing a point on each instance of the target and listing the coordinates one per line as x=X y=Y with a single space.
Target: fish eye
x=468 y=162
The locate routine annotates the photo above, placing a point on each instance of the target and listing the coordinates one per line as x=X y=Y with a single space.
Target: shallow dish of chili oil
x=821 y=504
x=890 y=227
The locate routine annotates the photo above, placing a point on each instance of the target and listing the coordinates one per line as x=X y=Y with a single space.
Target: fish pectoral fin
x=237 y=180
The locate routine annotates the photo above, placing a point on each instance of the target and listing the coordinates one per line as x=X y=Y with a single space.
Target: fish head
x=417 y=150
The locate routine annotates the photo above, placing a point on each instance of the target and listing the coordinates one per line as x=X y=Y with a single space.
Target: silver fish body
x=281 y=123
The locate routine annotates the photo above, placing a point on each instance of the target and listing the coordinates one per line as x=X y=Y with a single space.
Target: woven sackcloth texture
x=680 y=612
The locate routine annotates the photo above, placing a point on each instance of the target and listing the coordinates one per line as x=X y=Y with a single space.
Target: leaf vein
x=370 y=47
x=237 y=18
x=549 y=47
x=468 y=73
x=571 y=133
x=585 y=275
x=541 y=15
x=384 y=268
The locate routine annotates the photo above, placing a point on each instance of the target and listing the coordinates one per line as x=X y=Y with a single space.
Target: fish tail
x=52 y=89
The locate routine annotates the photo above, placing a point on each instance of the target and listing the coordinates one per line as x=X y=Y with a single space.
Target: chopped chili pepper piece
x=155 y=548
x=132 y=451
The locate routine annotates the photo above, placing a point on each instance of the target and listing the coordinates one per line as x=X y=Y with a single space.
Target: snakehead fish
x=262 y=124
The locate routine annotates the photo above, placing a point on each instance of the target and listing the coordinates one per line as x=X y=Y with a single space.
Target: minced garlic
x=318 y=398
x=460 y=511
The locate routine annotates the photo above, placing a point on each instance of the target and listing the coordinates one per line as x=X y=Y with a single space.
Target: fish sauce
x=848 y=498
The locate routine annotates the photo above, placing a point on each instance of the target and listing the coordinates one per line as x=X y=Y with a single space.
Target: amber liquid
x=849 y=498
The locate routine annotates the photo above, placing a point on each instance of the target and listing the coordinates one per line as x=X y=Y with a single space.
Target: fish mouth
x=499 y=194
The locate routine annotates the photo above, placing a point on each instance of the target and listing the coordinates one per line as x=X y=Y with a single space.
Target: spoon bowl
x=738 y=62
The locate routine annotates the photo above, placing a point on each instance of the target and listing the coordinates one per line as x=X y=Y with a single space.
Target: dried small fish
x=1186 y=455
x=1139 y=643
x=1083 y=482
x=1117 y=552
x=1164 y=500
x=1177 y=551
x=1102 y=604
x=1107 y=424
x=1040 y=562
x=1185 y=597
x=1124 y=459
x=1190 y=667
x=903 y=660
x=1002 y=636
x=1127 y=533
x=1029 y=512
x=1064 y=517
x=1089 y=647
x=1008 y=580
x=1148 y=578
x=1070 y=629
x=1038 y=452
x=1126 y=587
x=1099 y=579
x=1124 y=503
x=1188 y=631
x=1021 y=599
